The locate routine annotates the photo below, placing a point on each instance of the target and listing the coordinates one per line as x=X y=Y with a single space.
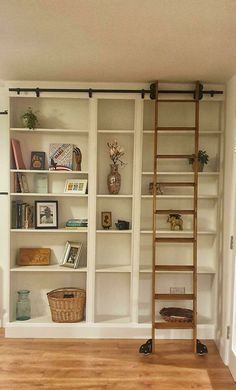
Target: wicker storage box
x=67 y=304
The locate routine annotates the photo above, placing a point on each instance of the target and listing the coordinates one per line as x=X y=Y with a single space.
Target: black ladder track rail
x=5 y=112
x=143 y=92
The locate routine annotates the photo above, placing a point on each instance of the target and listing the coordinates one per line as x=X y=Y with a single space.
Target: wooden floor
x=108 y=364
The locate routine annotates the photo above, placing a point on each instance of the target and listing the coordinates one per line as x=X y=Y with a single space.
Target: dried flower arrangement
x=116 y=152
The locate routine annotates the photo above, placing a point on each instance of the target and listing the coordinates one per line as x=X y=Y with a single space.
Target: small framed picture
x=78 y=186
x=106 y=219
x=37 y=161
x=46 y=214
x=72 y=254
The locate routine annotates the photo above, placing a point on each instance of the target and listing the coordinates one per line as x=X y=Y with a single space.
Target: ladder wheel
x=201 y=348
x=146 y=348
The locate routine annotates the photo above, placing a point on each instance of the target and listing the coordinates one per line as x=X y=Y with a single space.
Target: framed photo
x=106 y=219
x=78 y=186
x=72 y=254
x=37 y=161
x=46 y=214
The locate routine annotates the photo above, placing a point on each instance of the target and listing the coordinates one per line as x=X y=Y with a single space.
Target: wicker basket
x=67 y=304
x=176 y=314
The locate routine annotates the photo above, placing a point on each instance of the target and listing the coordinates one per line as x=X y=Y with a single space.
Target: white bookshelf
x=116 y=271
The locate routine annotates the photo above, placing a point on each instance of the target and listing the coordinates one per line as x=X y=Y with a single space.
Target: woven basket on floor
x=67 y=304
x=176 y=314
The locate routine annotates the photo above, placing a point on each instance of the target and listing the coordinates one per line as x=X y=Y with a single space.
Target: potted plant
x=30 y=119
x=203 y=159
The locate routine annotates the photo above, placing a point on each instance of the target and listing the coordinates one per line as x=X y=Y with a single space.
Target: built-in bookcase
x=115 y=264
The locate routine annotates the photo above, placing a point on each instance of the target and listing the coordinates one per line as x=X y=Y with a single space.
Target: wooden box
x=34 y=256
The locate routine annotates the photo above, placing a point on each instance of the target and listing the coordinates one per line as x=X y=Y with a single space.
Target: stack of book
x=22 y=215
x=76 y=223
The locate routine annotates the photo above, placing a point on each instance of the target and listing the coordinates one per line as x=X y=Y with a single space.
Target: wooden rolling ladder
x=149 y=346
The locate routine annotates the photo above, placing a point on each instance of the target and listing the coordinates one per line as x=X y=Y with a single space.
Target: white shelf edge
x=201 y=132
x=114 y=196
x=25 y=130
x=118 y=268
x=201 y=270
x=177 y=232
x=113 y=231
x=49 y=231
x=116 y=131
x=48 y=171
x=146 y=173
x=180 y=196
x=47 y=194
x=47 y=268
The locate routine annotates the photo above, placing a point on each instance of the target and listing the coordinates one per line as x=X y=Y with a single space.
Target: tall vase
x=114 y=180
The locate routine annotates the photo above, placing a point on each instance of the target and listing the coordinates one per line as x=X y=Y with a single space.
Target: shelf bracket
x=5 y=112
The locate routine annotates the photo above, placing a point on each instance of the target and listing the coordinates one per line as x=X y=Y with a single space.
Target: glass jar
x=23 y=309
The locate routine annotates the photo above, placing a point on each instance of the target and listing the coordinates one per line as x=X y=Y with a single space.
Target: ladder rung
x=175 y=239
x=174 y=268
x=177 y=184
x=177 y=128
x=176 y=100
x=174 y=325
x=177 y=156
x=175 y=297
x=174 y=212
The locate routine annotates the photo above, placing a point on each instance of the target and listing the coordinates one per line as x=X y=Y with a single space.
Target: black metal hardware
x=146 y=348
x=5 y=112
x=201 y=348
x=90 y=91
x=3 y=193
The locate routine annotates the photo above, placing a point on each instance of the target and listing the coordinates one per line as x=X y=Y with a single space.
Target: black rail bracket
x=153 y=91
x=5 y=112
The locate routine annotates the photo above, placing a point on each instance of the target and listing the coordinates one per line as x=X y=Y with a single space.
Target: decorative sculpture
x=175 y=220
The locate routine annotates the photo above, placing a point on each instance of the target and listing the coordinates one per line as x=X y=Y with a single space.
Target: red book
x=17 y=154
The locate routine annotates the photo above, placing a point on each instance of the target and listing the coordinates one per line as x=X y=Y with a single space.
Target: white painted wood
x=91 y=252
x=138 y=121
x=116 y=269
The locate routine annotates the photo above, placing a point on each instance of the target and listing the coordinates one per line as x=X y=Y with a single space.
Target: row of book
x=22 y=216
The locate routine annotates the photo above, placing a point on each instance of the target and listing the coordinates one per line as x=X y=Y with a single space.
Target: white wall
x=225 y=270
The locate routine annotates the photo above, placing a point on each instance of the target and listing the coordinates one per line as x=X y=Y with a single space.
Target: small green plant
x=30 y=119
x=203 y=157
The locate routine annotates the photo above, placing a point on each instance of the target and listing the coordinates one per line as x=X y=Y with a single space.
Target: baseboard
x=91 y=330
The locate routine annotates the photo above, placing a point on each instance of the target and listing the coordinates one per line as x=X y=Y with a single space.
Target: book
x=17 y=154
x=37 y=160
x=77 y=223
x=61 y=157
x=23 y=183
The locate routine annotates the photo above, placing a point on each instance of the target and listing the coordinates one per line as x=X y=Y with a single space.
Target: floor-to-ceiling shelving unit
x=116 y=270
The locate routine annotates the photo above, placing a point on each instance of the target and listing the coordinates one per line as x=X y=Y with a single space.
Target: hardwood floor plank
x=52 y=364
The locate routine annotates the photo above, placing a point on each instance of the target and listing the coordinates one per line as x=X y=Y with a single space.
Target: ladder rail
x=154 y=222
x=195 y=199
x=192 y=240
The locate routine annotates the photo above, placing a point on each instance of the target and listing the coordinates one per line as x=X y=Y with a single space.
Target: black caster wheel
x=146 y=348
x=201 y=348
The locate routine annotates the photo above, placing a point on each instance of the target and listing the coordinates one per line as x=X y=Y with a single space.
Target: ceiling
x=118 y=40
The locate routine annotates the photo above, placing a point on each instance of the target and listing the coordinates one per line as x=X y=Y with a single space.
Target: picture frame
x=46 y=214
x=72 y=254
x=106 y=219
x=78 y=186
x=37 y=161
